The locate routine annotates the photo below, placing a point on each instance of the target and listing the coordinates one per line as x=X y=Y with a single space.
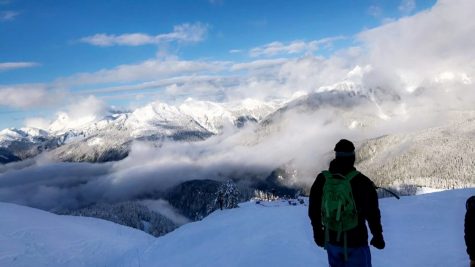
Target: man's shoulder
x=362 y=178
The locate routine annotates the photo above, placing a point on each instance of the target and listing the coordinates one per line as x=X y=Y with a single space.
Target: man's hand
x=319 y=237
x=378 y=242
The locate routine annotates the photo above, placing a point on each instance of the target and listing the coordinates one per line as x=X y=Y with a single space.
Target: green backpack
x=338 y=206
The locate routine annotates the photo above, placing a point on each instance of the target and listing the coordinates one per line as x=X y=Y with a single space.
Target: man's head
x=345 y=152
x=470 y=205
x=344 y=148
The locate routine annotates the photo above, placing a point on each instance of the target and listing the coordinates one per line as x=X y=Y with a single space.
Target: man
x=470 y=229
x=352 y=249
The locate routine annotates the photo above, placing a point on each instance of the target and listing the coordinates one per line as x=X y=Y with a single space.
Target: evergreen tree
x=228 y=193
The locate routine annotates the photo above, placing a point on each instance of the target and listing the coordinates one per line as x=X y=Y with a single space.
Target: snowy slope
x=438 y=157
x=31 y=237
x=24 y=133
x=250 y=236
x=423 y=230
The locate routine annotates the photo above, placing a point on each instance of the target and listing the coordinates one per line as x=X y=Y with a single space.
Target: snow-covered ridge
x=211 y=116
x=31 y=237
x=274 y=234
x=26 y=133
x=93 y=136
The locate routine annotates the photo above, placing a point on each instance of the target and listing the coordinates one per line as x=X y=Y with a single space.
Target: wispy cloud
x=375 y=11
x=37 y=122
x=146 y=70
x=156 y=84
x=6 y=66
x=235 y=51
x=8 y=15
x=295 y=47
x=27 y=96
x=188 y=33
x=258 y=64
x=407 y=6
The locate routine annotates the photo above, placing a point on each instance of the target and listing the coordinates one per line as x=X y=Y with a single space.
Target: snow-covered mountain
x=272 y=234
x=100 y=139
x=438 y=157
x=18 y=144
x=350 y=102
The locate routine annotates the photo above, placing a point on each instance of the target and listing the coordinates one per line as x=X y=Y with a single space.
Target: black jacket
x=366 y=200
x=470 y=231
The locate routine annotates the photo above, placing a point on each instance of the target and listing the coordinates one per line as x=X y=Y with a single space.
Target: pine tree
x=228 y=193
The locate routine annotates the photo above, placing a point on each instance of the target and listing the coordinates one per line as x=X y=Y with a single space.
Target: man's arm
x=470 y=233
x=374 y=217
x=314 y=210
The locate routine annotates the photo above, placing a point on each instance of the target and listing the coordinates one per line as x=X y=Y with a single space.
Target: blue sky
x=54 y=52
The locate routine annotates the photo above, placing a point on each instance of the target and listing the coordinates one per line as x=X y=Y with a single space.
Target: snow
x=64 y=123
x=155 y=117
x=427 y=190
x=34 y=132
x=97 y=141
x=11 y=134
x=422 y=230
x=211 y=116
x=31 y=237
x=25 y=134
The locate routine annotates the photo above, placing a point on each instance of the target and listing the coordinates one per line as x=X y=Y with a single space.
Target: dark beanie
x=344 y=148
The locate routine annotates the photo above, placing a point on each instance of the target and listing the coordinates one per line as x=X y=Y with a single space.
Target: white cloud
x=87 y=107
x=149 y=69
x=262 y=79
x=27 y=96
x=6 y=66
x=295 y=47
x=258 y=64
x=422 y=46
x=8 y=15
x=189 y=33
x=407 y=6
x=37 y=122
x=147 y=85
x=81 y=111
x=375 y=11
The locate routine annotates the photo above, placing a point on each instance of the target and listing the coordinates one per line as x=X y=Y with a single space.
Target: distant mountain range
x=440 y=157
x=109 y=138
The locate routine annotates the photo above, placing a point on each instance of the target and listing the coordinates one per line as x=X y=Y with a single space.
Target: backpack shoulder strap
x=351 y=175
x=327 y=174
